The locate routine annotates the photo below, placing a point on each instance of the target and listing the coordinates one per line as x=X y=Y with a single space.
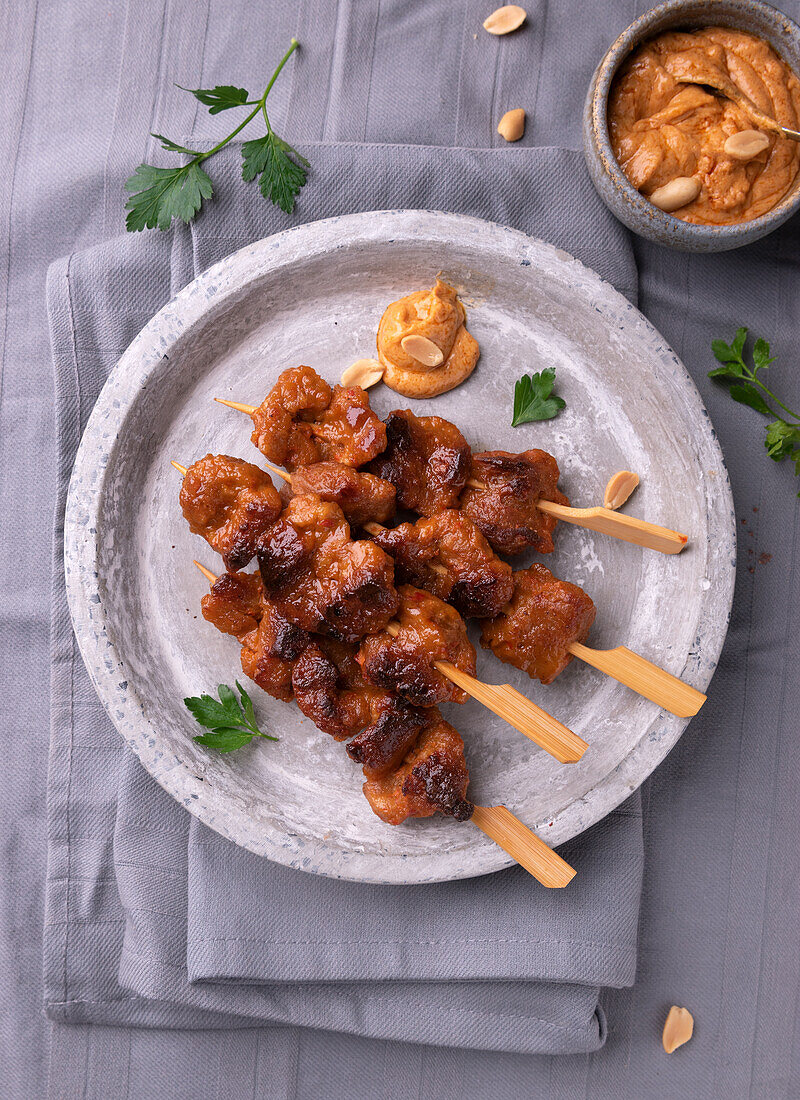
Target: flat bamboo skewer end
x=179 y=468
x=516 y=709
x=644 y=677
x=620 y=526
x=523 y=845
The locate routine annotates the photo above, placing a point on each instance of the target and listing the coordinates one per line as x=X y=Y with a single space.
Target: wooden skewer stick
x=181 y=470
x=622 y=664
x=516 y=709
x=644 y=677
x=604 y=520
x=609 y=522
x=522 y=845
x=507 y=831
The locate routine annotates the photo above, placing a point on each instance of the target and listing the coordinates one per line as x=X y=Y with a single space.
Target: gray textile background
x=85 y=82
x=498 y=964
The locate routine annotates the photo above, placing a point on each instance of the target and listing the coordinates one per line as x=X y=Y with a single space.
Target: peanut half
x=678 y=1028
x=512 y=124
x=746 y=144
x=675 y=194
x=363 y=373
x=423 y=350
x=619 y=488
x=505 y=20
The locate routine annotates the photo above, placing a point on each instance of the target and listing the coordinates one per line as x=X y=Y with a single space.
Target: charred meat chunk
x=543 y=619
x=362 y=497
x=319 y=578
x=429 y=630
x=448 y=556
x=505 y=509
x=433 y=777
x=303 y=421
x=270 y=645
x=230 y=503
x=331 y=691
x=383 y=745
x=427 y=460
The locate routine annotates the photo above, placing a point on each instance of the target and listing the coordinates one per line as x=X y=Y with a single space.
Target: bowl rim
x=642 y=28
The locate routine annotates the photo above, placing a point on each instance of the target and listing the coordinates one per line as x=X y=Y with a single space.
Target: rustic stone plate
x=314 y=295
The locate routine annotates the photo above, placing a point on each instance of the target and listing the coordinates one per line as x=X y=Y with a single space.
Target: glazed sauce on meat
x=544 y=617
x=303 y=421
x=429 y=631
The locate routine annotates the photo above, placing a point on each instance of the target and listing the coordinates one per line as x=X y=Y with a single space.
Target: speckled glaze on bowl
x=314 y=294
x=613 y=186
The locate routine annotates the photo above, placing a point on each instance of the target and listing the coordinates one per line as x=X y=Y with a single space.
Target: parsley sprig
x=534 y=398
x=231 y=722
x=161 y=194
x=783 y=434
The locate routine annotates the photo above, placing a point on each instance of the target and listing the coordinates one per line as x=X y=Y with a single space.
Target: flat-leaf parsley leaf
x=534 y=398
x=231 y=722
x=161 y=194
x=783 y=434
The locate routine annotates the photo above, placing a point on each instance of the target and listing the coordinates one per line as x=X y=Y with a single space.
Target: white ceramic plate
x=314 y=295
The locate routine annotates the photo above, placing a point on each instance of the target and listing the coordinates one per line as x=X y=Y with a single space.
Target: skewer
x=506 y=830
x=627 y=667
x=621 y=664
x=608 y=522
x=516 y=709
x=504 y=700
x=604 y=520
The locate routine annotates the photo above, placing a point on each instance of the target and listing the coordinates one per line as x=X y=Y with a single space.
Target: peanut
x=675 y=194
x=363 y=373
x=678 y=1028
x=505 y=19
x=512 y=125
x=746 y=144
x=619 y=488
x=423 y=350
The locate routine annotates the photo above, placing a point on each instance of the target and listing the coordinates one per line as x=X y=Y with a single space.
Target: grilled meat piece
x=426 y=459
x=545 y=616
x=230 y=503
x=302 y=421
x=382 y=746
x=448 y=556
x=331 y=691
x=432 y=777
x=505 y=510
x=361 y=496
x=429 y=631
x=319 y=578
x=270 y=645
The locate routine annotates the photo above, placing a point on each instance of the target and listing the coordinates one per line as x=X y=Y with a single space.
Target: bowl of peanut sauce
x=672 y=157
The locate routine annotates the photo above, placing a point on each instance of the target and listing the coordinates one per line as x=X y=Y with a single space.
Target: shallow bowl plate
x=314 y=295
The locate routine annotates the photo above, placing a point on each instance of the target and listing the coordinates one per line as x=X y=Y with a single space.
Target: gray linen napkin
x=153 y=919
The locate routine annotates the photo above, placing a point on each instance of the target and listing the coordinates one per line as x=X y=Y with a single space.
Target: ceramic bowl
x=619 y=195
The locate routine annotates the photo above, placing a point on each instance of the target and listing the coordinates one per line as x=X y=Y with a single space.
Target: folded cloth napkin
x=153 y=919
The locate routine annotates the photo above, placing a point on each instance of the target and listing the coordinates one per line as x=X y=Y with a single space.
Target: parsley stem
x=230 y=137
x=260 y=105
x=276 y=74
x=769 y=393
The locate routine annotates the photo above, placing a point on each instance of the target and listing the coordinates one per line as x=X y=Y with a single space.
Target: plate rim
x=105 y=665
